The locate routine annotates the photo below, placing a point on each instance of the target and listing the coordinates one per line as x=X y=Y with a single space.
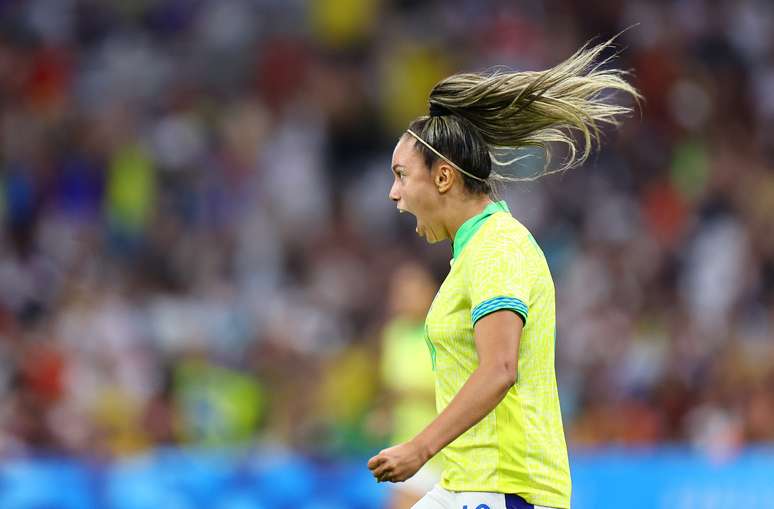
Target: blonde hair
x=566 y=104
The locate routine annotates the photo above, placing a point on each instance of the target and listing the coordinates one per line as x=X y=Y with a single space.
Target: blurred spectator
x=406 y=373
x=197 y=241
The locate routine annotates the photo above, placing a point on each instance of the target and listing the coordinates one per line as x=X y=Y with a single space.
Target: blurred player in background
x=492 y=327
x=407 y=373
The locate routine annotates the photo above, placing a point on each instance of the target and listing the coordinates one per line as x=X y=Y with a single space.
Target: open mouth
x=401 y=211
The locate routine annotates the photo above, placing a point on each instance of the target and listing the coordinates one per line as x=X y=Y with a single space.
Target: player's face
x=413 y=190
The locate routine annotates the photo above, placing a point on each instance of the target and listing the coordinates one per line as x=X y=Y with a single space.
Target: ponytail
x=566 y=104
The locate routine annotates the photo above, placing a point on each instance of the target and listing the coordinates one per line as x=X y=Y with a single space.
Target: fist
x=398 y=463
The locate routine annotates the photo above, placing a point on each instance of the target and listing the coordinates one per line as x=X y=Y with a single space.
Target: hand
x=398 y=463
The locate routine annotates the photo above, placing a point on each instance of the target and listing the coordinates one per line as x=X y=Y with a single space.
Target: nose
x=394 y=195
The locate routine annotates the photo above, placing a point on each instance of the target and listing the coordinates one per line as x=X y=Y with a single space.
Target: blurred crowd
x=197 y=243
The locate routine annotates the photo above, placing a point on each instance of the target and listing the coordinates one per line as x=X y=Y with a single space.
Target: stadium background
x=197 y=245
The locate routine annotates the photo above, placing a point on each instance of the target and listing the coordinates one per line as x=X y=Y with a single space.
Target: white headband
x=426 y=144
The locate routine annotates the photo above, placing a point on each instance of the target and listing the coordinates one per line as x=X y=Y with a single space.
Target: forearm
x=480 y=394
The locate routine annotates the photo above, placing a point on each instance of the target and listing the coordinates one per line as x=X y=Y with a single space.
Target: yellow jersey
x=519 y=447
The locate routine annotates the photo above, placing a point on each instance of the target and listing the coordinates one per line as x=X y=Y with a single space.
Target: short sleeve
x=499 y=276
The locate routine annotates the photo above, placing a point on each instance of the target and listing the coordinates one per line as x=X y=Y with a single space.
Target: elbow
x=510 y=378
x=506 y=376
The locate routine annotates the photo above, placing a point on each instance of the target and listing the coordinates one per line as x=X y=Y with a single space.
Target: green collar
x=471 y=226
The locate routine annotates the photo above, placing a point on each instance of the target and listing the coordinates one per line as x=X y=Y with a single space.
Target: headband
x=426 y=144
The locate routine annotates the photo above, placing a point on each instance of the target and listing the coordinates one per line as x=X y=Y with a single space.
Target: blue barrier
x=671 y=478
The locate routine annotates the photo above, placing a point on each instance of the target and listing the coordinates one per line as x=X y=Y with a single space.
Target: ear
x=444 y=177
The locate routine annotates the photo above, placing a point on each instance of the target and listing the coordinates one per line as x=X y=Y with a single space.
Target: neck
x=461 y=212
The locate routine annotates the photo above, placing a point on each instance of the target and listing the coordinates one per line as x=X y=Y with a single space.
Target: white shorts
x=439 y=498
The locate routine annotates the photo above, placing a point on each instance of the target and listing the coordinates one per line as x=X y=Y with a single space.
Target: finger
x=376 y=461
x=381 y=471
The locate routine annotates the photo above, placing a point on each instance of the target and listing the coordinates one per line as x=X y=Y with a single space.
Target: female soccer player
x=491 y=328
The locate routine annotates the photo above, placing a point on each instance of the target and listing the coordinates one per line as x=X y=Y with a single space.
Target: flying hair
x=565 y=105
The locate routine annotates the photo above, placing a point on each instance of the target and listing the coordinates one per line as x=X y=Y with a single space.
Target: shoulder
x=502 y=233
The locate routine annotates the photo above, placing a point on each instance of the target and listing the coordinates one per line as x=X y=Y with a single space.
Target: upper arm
x=497 y=337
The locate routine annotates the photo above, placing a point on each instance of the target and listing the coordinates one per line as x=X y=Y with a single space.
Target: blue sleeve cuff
x=498 y=303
